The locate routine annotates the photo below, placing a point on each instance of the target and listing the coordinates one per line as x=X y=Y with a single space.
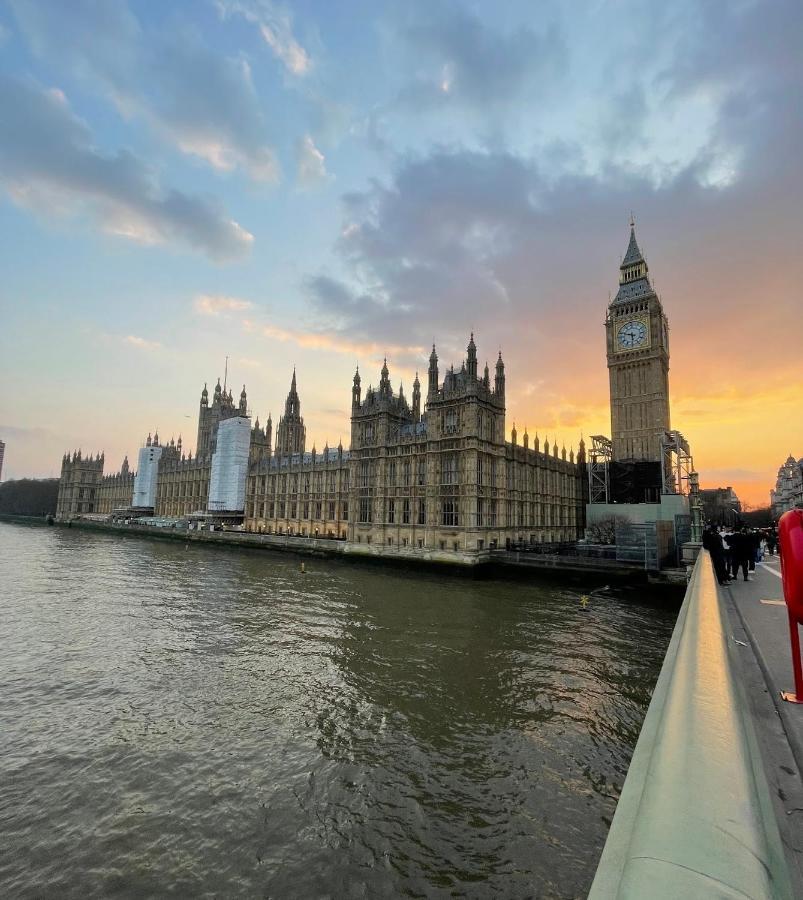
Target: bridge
x=712 y=805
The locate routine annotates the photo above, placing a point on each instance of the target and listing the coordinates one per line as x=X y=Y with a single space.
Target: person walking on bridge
x=712 y=542
x=742 y=551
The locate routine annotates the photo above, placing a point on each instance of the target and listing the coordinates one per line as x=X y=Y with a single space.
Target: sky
x=316 y=185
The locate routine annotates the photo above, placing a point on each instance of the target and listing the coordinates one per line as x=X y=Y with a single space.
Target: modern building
x=788 y=490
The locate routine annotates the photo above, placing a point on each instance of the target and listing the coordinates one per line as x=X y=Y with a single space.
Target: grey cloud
x=47 y=158
x=459 y=237
x=471 y=64
x=205 y=102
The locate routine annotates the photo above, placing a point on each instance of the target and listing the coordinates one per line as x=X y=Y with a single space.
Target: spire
x=633 y=254
x=432 y=387
x=292 y=383
x=472 y=359
x=356 y=390
x=499 y=381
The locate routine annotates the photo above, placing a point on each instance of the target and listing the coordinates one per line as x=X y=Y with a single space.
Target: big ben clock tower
x=638 y=361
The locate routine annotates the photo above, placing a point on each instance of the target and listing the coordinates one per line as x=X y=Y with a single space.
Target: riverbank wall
x=500 y=563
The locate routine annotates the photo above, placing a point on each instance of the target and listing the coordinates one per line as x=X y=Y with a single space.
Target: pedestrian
x=742 y=551
x=712 y=541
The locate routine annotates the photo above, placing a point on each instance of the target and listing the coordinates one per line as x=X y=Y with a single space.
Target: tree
x=29 y=497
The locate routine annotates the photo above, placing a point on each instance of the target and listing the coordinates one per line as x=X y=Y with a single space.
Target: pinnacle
x=633 y=253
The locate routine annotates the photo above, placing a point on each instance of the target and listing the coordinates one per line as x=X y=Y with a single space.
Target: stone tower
x=81 y=477
x=210 y=416
x=638 y=361
x=291 y=435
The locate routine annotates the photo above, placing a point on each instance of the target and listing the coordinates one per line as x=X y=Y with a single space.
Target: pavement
x=761 y=649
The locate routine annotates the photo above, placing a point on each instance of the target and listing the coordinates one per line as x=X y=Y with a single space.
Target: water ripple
x=183 y=721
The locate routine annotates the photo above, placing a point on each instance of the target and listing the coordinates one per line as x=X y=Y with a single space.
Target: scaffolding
x=599 y=479
x=677 y=464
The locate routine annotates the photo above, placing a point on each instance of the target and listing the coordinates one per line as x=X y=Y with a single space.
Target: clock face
x=632 y=334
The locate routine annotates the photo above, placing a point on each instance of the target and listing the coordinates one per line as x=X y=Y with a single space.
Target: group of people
x=738 y=548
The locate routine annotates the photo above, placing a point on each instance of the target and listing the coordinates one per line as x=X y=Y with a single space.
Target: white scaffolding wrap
x=146 y=477
x=230 y=465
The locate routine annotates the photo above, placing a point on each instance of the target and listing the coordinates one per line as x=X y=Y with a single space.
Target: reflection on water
x=187 y=721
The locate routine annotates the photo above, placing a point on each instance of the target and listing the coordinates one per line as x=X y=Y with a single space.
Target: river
x=192 y=721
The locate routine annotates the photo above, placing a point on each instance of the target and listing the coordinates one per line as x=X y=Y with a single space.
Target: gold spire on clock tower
x=638 y=361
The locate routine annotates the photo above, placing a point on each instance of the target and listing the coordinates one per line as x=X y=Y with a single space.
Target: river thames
x=199 y=722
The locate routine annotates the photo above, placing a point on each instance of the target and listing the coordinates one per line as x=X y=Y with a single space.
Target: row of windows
x=308 y=482
x=306 y=510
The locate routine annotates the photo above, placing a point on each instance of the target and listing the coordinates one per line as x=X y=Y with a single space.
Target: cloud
x=202 y=101
x=141 y=343
x=275 y=28
x=462 y=60
x=48 y=161
x=215 y=304
x=311 y=340
x=311 y=163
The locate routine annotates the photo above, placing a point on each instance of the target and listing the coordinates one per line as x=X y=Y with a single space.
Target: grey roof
x=633 y=254
x=634 y=290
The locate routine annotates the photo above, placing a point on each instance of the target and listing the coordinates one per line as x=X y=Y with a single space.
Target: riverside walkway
x=712 y=805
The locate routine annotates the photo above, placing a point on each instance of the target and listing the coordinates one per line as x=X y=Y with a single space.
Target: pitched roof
x=633 y=254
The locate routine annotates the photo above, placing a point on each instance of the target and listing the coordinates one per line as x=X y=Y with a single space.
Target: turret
x=433 y=373
x=148 y=441
x=499 y=381
x=218 y=392
x=205 y=396
x=486 y=378
x=526 y=439
x=243 y=401
x=513 y=435
x=356 y=390
x=384 y=382
x=416 y=399
x=471 y=359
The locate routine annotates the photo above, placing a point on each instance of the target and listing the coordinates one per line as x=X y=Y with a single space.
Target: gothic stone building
x=438 y=477
x=638 y=362
x=79 y=484
x=788 y=491
x=435 y=472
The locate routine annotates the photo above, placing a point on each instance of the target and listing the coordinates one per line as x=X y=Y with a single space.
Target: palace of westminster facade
x=432 y=473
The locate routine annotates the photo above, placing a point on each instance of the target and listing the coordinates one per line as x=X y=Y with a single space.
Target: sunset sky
x=316 y=184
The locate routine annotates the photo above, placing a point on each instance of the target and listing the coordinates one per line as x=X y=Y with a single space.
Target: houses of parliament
x=432 y=472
